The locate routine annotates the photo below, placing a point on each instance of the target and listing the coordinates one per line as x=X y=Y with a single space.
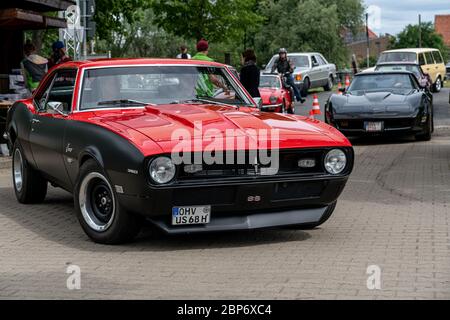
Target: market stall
x=17 y=16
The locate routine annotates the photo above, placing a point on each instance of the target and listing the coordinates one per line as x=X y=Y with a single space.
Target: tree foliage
x=307 y=25
x=158 y=27
x=409 y=38
x=214 y=20
x=117 y=21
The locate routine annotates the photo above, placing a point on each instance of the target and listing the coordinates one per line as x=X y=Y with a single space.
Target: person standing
x=202 y=51
x=34 y=67
x=183 y=53
x=59 y=54
x=207 y=82
x=250 y=73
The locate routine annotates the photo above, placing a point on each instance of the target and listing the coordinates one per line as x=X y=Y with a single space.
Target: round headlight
x=273 y=99
x=335 y=161
x=162 y=170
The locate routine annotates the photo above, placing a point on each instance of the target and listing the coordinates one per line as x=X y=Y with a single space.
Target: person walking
x=34 y=67
x=250 y=73
x=183 y=53
x=59 y=54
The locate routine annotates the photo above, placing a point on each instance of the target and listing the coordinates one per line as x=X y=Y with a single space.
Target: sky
x=391 y=16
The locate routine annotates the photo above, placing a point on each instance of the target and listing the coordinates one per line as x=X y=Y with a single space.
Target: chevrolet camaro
x=179 y=143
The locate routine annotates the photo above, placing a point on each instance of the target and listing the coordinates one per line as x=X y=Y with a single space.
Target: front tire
x=305 y=87
x=426 y=135
x=98 y=209
x=29 y=186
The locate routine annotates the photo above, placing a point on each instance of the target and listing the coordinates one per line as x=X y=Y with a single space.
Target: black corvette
x=382 y=103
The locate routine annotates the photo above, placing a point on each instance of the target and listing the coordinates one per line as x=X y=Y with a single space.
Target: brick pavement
x=394 y=213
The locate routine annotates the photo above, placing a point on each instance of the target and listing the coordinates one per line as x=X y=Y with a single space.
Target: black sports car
x=382 y=103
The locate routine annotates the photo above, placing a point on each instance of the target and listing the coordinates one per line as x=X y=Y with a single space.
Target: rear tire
x=29 y=186
x=329 y=85
x=98 y=209
x=310 y=226
x=437 y=86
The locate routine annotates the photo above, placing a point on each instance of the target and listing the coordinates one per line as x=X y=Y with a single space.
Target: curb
x=5 y=162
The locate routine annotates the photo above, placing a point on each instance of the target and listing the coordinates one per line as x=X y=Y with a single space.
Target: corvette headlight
x=335 y=161
x=162 y=170
x=273 y=99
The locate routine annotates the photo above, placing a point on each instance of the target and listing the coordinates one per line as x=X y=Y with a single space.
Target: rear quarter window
x=437 y=57
x=429 y=57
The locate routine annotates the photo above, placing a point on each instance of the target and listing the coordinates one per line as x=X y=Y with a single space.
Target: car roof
x=411 y=50
x=362 y=74
x=394 y=63
x=135 y=62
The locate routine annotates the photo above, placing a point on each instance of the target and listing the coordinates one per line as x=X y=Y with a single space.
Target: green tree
x=214 y=20
x=118 y=21
x=409 y=38
x=307 y=25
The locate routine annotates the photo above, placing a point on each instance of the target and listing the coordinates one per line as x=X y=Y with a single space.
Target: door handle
x=35 y=121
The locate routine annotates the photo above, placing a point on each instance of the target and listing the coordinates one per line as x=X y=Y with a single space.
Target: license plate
x=373 y=126
x=191 y=215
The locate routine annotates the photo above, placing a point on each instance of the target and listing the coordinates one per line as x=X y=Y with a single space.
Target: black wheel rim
x=102 y=201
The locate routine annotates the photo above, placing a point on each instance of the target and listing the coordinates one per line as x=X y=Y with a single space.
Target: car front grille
x=393 y=123
x=288 y=165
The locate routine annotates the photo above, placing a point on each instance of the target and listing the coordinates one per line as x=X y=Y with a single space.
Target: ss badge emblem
x=253 y=198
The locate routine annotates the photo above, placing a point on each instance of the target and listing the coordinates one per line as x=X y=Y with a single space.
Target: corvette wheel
x=426 y=135
x=98 y=209
x=309 y=226
x=29 y=185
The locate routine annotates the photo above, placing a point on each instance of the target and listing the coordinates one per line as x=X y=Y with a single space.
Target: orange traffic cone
x=339 y=88
x=315 y=107
x=347 y=81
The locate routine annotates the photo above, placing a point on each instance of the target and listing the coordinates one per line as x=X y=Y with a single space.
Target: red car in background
x=276 y=97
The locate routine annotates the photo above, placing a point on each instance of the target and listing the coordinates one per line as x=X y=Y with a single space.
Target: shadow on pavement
x=55 y=220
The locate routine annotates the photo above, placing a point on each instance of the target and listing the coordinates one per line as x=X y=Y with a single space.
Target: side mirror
x=58 y=107
x=315 y=64
x=258 y=102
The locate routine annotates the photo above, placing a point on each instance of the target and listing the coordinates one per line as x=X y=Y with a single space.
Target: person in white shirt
x=183 y=53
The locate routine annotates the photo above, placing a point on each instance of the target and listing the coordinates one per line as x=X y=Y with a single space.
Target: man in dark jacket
x=285 y=67
x=250 y=73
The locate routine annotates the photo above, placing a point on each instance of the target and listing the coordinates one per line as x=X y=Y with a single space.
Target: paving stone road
x=394 y=214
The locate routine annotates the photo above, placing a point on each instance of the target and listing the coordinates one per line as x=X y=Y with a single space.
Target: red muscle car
x=275 y=96
x=177 y=142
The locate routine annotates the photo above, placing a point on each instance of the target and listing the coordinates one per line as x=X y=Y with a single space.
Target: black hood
x=376 y=103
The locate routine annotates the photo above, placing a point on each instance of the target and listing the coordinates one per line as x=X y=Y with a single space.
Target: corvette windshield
x=269 y=82
x=398 y=83
x=140 y=85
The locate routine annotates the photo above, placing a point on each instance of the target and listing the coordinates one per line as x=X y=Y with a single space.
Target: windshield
x=299 y=61
x=269 y=82
x=398 y=57
x=401 y=67
x=130 y=86
x=398 y=83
